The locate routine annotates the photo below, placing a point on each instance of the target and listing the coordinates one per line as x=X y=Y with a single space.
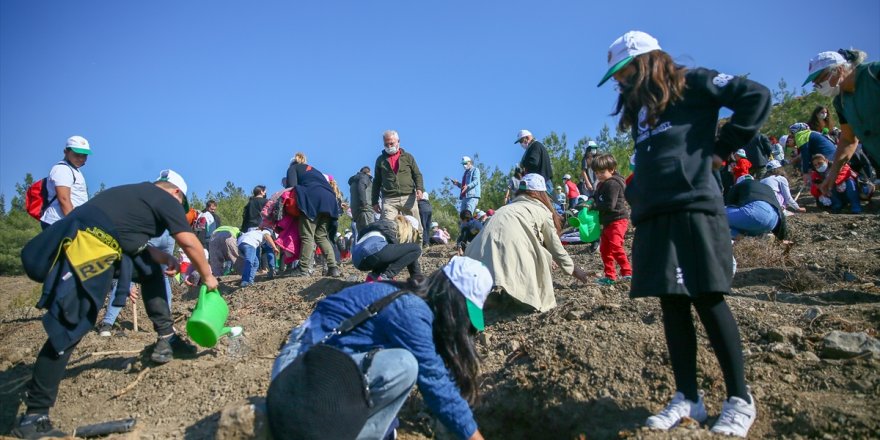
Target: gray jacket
x=360 y=186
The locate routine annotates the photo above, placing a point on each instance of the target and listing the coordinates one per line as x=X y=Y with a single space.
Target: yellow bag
x=92 y=252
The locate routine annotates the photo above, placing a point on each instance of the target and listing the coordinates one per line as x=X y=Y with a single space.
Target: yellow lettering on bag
x=92 y=252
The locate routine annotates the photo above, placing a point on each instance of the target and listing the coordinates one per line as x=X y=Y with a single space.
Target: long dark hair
x=657 y=83
x=542 y=197
x=817 y=124
x=453 y=335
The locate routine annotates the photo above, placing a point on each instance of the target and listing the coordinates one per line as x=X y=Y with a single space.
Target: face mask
x=823 y=115
x=392 y=150
x=466 y=166
x=524 y=144
x=822 y=168
x=826 y=89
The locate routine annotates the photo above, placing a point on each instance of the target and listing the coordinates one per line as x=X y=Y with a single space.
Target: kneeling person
x=77 y=258
x=385 y=247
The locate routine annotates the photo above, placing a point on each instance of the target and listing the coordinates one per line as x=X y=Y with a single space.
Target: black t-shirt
x=140 y=211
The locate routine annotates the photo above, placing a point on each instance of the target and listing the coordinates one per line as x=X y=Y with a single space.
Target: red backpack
x=36 y=199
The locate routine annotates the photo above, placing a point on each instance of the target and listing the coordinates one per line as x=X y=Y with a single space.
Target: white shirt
x=253 y=238
x=62 y=174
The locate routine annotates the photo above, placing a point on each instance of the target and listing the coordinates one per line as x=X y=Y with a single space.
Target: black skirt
x=682 y=253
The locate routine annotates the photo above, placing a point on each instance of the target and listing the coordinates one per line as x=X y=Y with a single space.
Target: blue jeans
x=851 y=196
x=752 y=219
x=391 y=377
x=113 y=312
x=266 y=249
x=469 y=203
x=251 y=262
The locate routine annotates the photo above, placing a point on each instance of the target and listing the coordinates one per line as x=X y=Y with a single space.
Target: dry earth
x=594 y=367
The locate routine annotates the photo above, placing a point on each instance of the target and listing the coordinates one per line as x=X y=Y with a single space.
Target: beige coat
x=517 y=246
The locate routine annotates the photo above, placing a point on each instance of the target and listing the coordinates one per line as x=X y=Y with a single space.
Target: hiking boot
x=334 y=272
x=678 y=409
x=626 y=279
x=105 y=330
x=605 y=281
x=594 y=246
x=170 y=348
x=736 y=417
x=33 y=426
x=300 y=272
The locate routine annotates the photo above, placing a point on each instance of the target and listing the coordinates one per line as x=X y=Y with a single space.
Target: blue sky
x=229 y=90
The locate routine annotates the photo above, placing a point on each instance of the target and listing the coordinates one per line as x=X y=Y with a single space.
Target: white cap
x=773 y=164
x=521 y=134
x=474 y=281
x=566 y=177
x=425 y=195
x=175 y=179
x=435 y=225
x=744 y=177
x=533 y=182
x=741 y=153
x=79 y=145
x=821 y=62
x=627 y=47
x=465 y=159
x=783 y=140
x=592 y=144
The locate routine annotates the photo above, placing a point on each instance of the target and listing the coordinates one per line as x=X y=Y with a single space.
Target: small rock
x=850 y=277
x=854 y=233
x=243 y=422
x=784 y=350
x=785 y=334
x=812 y=313
x=789 y=378
x=814 y=266
x=603 y=325
x=575 y=315
x=807 y=356
x=842 y=345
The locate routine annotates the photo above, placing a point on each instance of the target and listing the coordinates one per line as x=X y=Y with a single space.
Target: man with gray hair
x=397 y=180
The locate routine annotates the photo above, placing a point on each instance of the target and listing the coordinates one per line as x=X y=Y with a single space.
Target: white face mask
x=466 y=166
x=822 y=168
x=524 y=143
x=826 y=89
x=392 y=149
x=823 y=115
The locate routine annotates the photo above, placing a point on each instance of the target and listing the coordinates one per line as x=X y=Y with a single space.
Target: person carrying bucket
x=76 y=258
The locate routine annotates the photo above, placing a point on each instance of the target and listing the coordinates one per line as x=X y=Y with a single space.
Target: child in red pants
x=613 y=216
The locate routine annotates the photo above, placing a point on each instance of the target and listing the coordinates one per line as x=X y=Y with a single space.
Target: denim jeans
x=391 y=377
x=752 y=219
x=469 y=203
x=850 y=195
x=251 y=262
x=266 y=249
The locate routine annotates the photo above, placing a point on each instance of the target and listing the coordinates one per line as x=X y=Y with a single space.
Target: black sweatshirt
x=749 y=191
x=609 y=200
x=674 y=158
x=537 y=160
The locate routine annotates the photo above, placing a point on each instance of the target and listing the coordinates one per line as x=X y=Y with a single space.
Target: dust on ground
x=594 y=367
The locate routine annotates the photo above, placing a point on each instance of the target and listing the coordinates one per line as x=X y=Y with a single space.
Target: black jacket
x=251 y=215
x=610 y=201
x=537 y=160
x=758 y=150
x=674 y=157
x=749 y=191
x=361 y=189
x=387 y=228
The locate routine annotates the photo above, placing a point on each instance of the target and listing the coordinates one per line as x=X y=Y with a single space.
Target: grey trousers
x=314 y=232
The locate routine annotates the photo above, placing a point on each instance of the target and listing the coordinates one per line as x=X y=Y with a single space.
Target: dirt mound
x=595 y=366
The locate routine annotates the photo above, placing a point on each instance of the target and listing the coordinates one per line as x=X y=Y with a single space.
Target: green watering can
x=587 y=223
x=208 y=320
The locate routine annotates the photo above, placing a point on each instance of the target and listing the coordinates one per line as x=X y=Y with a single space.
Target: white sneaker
x=678 y=409
x=736 y=417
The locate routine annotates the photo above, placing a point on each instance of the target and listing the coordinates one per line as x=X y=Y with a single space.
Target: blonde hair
x=300 y=157
x=336 y=189
x=405 y=231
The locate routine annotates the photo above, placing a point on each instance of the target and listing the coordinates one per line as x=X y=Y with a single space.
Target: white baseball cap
x=773 y=164
x=744 y=177
x=175 y=179
x=741 y=153
x=821 y=62
x=521 y=134
x=592 y=144
x=465 y=159
x=566 y=177
x=474 y=281
x=627 y=47
x=79 y=145
x=533 y=182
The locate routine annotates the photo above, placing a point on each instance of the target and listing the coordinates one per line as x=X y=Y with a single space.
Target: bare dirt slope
x=595 y=366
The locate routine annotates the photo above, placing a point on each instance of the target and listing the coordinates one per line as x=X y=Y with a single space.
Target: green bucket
x=208 y=321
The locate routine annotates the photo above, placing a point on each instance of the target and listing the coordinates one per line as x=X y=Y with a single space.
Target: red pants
x=611 y=249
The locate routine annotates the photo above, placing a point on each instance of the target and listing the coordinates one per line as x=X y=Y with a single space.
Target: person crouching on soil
x=385 y=247
x=752 y=210
x=681 y=250
x=844 y=190
x=77 y=258
x=778 y=182
x=519 y=242
x=468 y=229
x=613 y=216
x=423 y=336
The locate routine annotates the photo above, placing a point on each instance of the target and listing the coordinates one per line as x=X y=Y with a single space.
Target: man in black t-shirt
x=76 y=259
x=535 y=159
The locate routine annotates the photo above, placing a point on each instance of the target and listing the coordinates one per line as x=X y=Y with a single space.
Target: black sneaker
x=170 y=348
x=334 y=272
x=105 y=330
x=300 y=272
x=33 y=426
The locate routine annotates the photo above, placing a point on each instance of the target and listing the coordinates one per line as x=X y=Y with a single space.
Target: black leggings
x=681 y=340
x=389 y=261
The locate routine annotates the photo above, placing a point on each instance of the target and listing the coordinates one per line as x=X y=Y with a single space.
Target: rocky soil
x=594 y=367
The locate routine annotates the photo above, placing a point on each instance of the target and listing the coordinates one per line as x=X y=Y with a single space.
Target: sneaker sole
x=161 y=359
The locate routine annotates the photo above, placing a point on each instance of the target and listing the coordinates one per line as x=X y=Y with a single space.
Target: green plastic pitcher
x=208 y=321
